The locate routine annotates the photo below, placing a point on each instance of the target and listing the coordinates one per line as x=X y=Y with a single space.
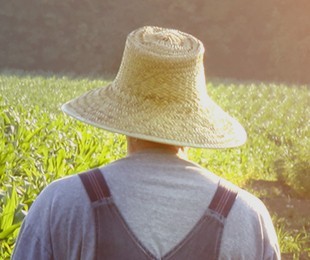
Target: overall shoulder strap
x=223 y=200
x=95 y=185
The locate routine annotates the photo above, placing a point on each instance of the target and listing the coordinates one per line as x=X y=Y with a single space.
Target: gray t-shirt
x=160 y=196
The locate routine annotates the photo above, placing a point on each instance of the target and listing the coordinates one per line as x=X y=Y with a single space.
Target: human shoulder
x=62 y=196
x=248 y=202
x=66 y=188
x=249 y=224
x=57 y=213
x=251 y=211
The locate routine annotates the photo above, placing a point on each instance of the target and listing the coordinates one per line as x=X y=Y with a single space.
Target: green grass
x=39 y=144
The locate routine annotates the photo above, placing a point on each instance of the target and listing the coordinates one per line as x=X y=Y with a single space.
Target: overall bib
x=115 y=240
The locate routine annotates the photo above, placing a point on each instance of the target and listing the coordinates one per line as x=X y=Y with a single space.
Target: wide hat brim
x=211 y=128
x=160 y=95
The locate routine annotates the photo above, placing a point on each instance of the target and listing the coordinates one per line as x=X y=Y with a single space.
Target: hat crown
x=164 y=66
x=165 y=42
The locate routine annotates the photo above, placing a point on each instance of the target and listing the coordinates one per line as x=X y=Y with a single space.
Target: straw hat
x=159 y=94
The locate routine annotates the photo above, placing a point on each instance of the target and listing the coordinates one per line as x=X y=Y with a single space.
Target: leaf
x=8 y=231
x=7 y=217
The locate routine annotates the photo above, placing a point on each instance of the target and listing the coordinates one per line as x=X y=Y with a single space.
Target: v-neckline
x=146 y=251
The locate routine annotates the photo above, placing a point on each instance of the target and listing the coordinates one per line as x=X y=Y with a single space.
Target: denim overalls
x=115 y=241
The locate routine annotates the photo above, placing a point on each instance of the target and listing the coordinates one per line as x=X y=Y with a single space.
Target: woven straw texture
x=159 y=94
